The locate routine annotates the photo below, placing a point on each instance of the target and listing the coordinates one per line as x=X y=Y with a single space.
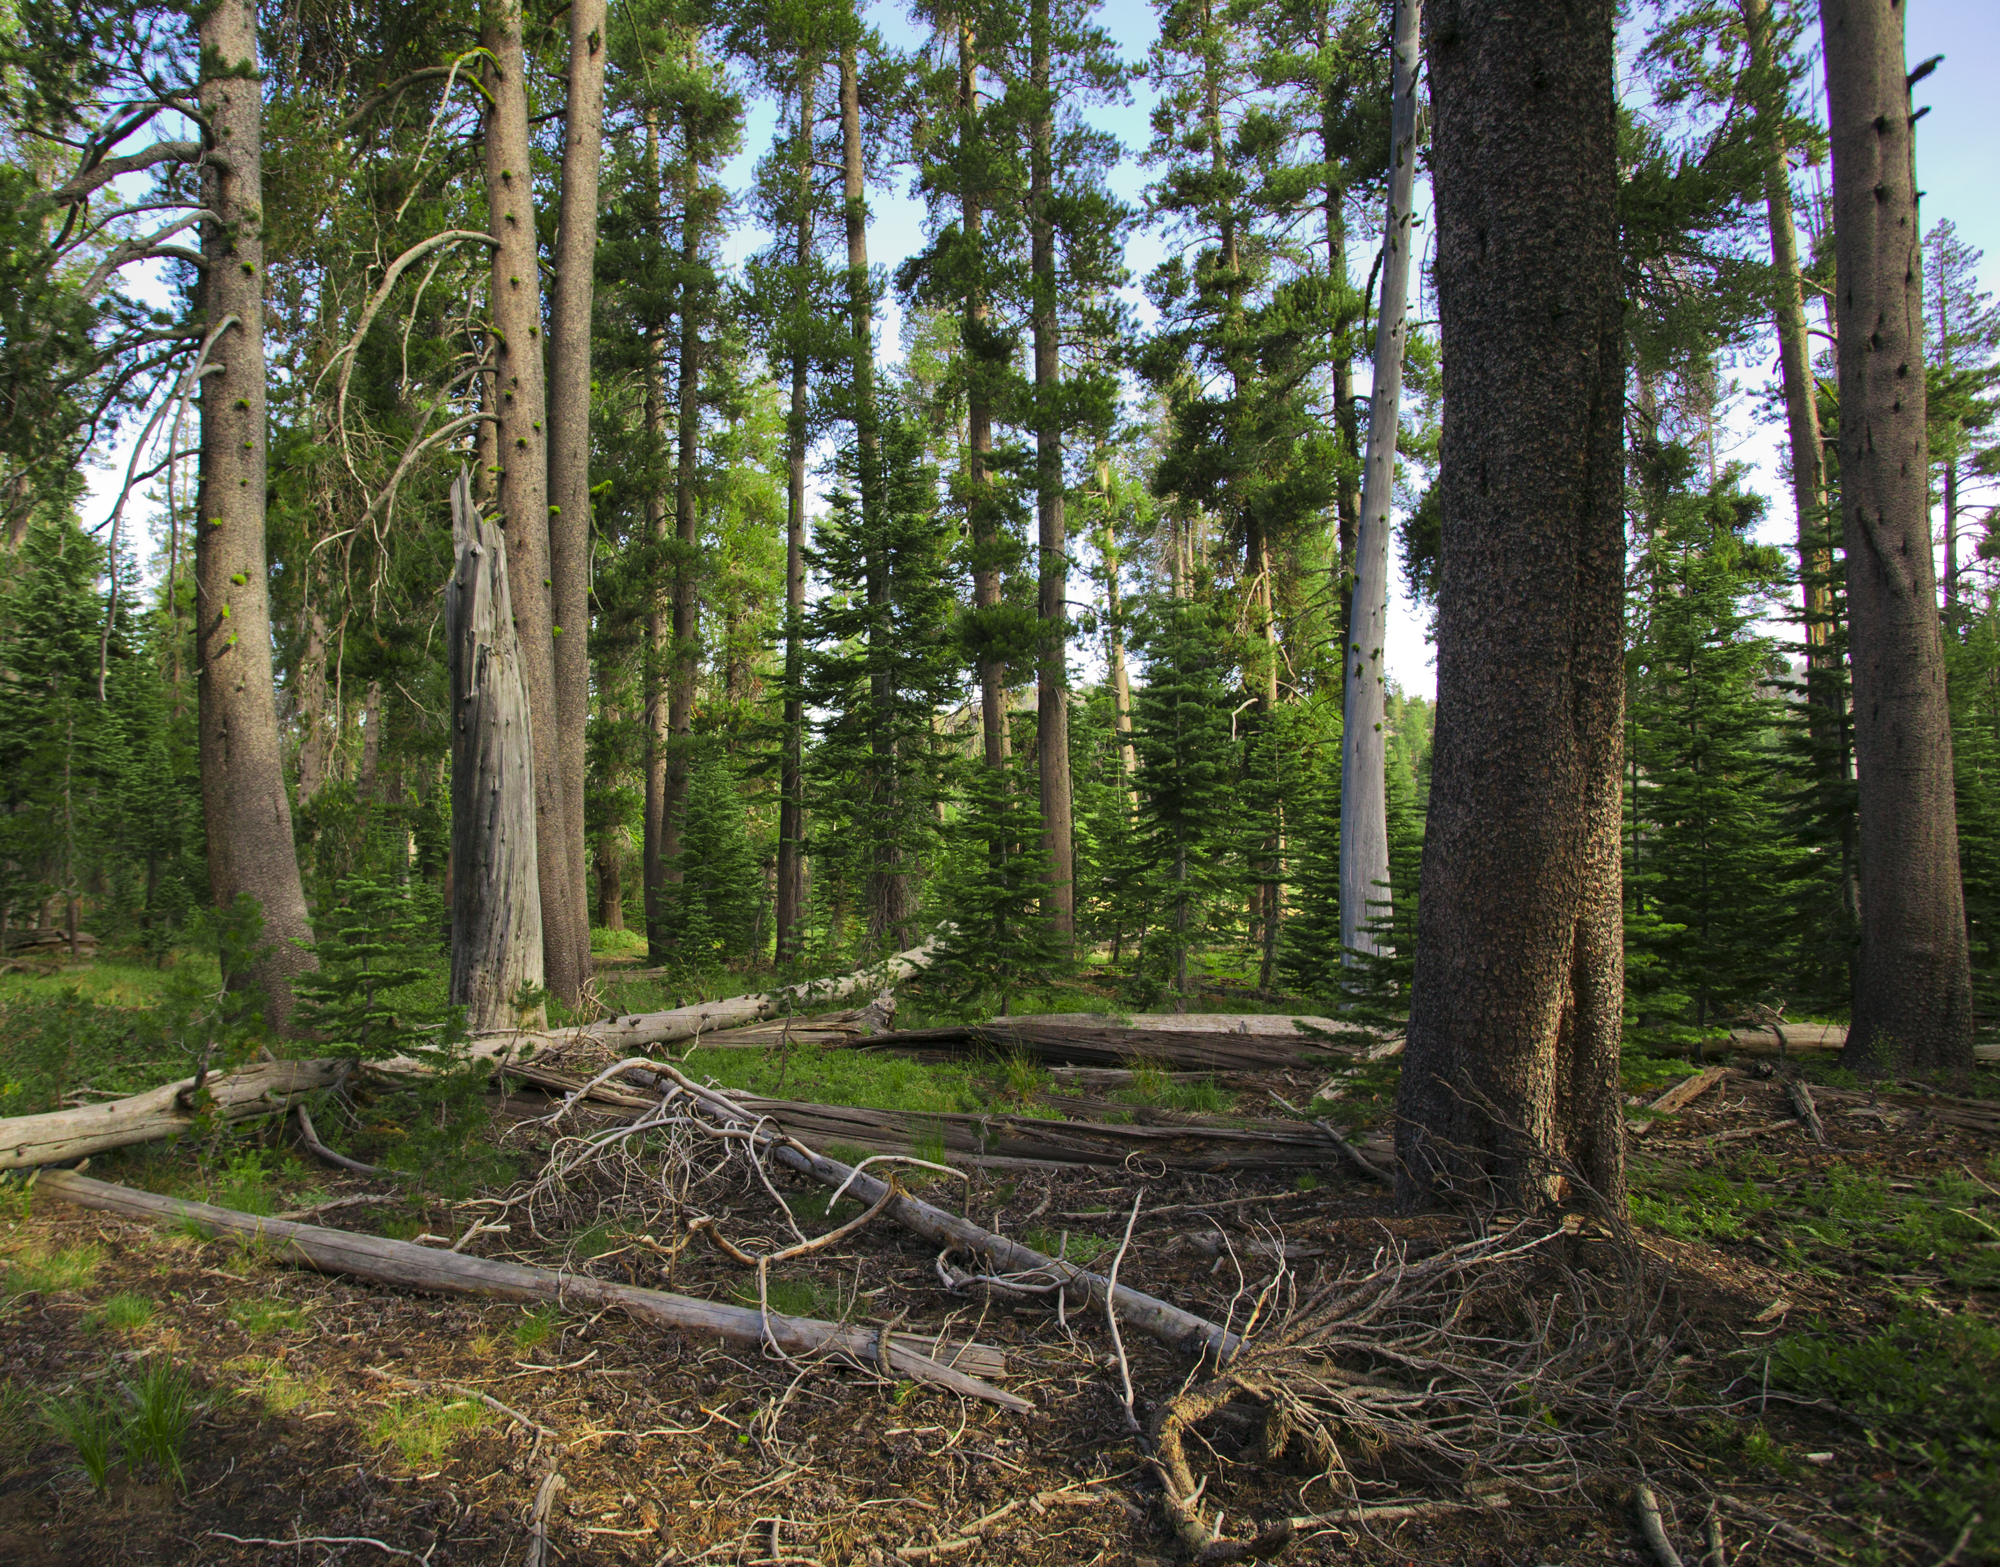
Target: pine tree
x=712 y=908
x=1710 y=861
x=369 y=948
x=995 y=943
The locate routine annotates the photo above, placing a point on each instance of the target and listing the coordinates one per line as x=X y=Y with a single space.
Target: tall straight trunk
x=659 y=623
x=791 y=902
x=888 y=882
x=1511 y=1072
x=1346 y=414
x=245 y=809
x=1364 y=800
x=496 y=905
x=316 y=748
x=1052 y=562
x=1913 y=984
x=687 y=527
x=1114 y=632
x=371 y=742
x=1809 y=500
x=981 y=512
x=569 y=436
x=515 y=307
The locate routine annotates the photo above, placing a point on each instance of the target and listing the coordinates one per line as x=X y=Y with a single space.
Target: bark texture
x=522 y=489
x=496 y=905
x=245 y=809
x=791 y=888
x=569 y=437
x=1512 y=1061
x=981 y=512
x=1913 y=983
x=1052 y=559
x=1364 y=800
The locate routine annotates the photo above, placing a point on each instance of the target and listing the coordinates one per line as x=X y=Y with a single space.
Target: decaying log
x=1689 y=1089
x=1153 y=1317
x=1103 y=1043
x=60 y=1135
x=1263 y=1025
x=406 y=1266
x=636 y=1030
x=1801 y=1097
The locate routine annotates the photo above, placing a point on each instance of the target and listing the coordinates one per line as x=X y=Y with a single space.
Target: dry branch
x=713 y=1114
x=407 y=1266
x=1801 y=1096
x=1654 y=1528
x=1689 y=1089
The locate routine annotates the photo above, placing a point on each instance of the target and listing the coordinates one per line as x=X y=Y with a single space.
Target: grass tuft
x=421 y=1429
x=34 y=1267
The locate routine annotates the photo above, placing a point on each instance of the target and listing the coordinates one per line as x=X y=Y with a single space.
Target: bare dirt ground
x=337 y=1415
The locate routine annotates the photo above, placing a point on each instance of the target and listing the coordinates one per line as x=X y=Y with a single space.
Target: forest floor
x=1834 y=1314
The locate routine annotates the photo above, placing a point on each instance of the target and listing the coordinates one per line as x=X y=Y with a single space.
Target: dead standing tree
x=496 y=904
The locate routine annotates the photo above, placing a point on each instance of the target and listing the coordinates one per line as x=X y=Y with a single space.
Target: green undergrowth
x=422 y=1429
x=1925 y=1390
x=874 y=1079
x=793 y=1298
x=1831 y=1225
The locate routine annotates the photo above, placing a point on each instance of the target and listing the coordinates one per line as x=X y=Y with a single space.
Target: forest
x=554 y=703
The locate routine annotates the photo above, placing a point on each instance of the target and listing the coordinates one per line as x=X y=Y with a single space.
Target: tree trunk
x=245 y=808
x=316 y=747
x=1364 y=800
x=1809 y=501
x=1511 y=1073
x=1913 y=989
x=791 y=777
x=1334 y=111
x=523 y=495
x=1052 y=563
x=365 y=781
x=569 y=437
x=981 y=513
x=496 y=905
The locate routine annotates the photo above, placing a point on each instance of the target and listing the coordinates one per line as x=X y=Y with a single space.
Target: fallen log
x=407 y=1266
x=1151 y=1316
x=1263 y=1025
x=1110 y=1045
x=57 y=1136
x=635 y=1030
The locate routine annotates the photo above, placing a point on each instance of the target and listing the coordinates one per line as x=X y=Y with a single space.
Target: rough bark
x=791 y=902
x=406 y=1265
x=1364 y=800
x=569 y=438
x=687 y=539
x=515 y=305
x=496 y=905
x=1052 y=560
x=1512 y=1064
x=245 y=808
x=1913 y=985
x=316 y=747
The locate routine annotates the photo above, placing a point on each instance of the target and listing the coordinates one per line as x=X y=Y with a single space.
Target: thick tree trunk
x=1364 y=800
x=1511 y=1074
x=516 y=309
x=569 y=437
x=791 y=900
x=1052 y=561
x=496 y=905
x=1913 y=989
x=245 y=809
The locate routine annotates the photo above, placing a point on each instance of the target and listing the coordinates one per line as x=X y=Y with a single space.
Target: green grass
x=605 y=942
x=124 y=1312
x=90 y=1426
x=50 y=1272
x=1083 y=1249
x=1153 y=1084
x=1846 y=1219
x=259 y=1317
x=422 y=1429
x=274 y=1386
x=1926 y=1390
x=843 y=1077
x=534 y=1327
x=163 y=1410
x=790 y=1298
